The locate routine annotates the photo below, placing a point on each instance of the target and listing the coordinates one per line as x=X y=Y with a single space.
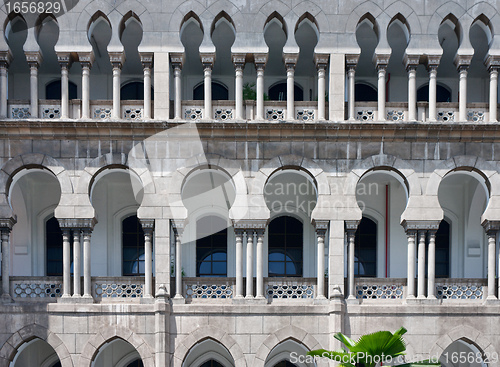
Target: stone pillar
x=5 y=59
x=178 y=261
x=87 y=272
x=208 y=63
x=351 y=63
x=493 y=64
x=5 y=228
x=239 y=65
x=66 y=263
x=34 y=60
x=411 y=64
x=432 y=65
x=411 y=264
x=351 y=227
x=321 y=61
x=421 y=264
x=260 y=61
x=321 y=228
x=77 y=291
x=177 y=61
x=117 y=59
x=86 y=60
x=259 y=271
x=431 y=269
x=290 y=63
x=249 y=275
x=148 y=227
x=147 y=65
x=381 y=62
x=65 y=61
x=491 y=228
x=239 y=263
x=462 y=62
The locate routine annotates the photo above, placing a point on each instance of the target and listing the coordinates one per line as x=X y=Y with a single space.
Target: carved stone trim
x=491 y=226
x=7 y=223
x=177 y=59
x=351 y=60
x=117 y=59
x=239 y=60
x=462 y=61
x=260 y=60
x=351 y=225
x=290 y=60
x=88 y=223
x=381 y=60
x=5 y=58
x=207 y=60
x=321 y=60
x=86 y=59
x=417 y=225
x=432 y=62
x=65 y=59
x=321 y=226
x=148 y=225
x=146 y=59
x=34 y=58
x=492 y=62
x=411 y=61
x=251 y=224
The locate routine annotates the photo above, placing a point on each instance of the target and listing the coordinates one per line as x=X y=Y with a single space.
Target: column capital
x=6 y=224
x=148 y=225
x=351 y=61
x=351 y=226
x=65 y=59
x=492 y=62
x=432 y=62
x=420 y=225
x=254 y=224
x=34 y=58
x=208 y=60
x=290 y=60
x=5 y=58
x=86 y=59
x=177 y=60
x=381 y=60
x=239 y=60
x=462 y=62
x=491 y=226
x=117 y=59
x=179 y=225
x=147 y=59
x=83 y=223
x=411 y=61
x=321 y=226
x=260 y=60
x=321 y=61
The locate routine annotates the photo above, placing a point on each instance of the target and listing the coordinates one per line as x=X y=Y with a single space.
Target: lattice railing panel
x=475 y=116
x=132 y=113
x=223 y=114
x=36 y=290
x=393 y=115
x=19 y=112
x=286 y=291
x=102 y=113
x=213 y=291
x=459 y=291
x=50 y=112
x=193 y=114
x=275 y=115
x=379 y=291
x=305 y=115
x=365 y=115
x=115 y=290
x=446 y=116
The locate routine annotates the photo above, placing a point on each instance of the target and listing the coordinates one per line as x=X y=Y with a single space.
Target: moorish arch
x=27 y=334
x=408 y=13
x=204 y=333
x=289 y=332
x=450 y=10
x=109 y=333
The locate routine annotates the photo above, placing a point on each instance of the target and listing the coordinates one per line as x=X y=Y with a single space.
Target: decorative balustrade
x=463 y=289
x=290 y=288
x=117 y=287
x=35 y=288
x=132 y=110
x=208 y=288
x=380 y=288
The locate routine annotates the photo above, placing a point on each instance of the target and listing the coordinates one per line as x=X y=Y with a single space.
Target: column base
x=6 y=298
x=421 y=297
x=148 y=300
x=249 y=297
x=322 y=300
x=178 y=299
x=352 y=300
x=86 y=298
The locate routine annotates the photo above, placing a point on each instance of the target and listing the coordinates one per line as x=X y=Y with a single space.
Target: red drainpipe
x=386 y=229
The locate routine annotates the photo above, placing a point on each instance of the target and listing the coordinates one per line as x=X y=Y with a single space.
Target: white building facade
x=231 y=183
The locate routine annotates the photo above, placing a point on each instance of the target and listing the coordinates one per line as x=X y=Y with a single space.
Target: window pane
x=132 y=246
x=211 y=247
x=285 y=247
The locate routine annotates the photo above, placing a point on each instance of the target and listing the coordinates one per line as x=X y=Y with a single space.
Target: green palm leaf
x=339 y=356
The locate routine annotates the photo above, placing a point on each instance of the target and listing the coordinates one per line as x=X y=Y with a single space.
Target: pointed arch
x=278 y=18
x=369 y=19
x=485 y=24
x=189 y=18
x=308 y=17
x=221 y=17
x=401 y=21
x=129 y=17
x=98 y=16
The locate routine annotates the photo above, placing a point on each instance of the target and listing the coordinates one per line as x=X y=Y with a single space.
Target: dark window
x=365 y=93
x=136 y=363
x=53 y=90
x=442 y=94
x=285 y=247
x=284 y=363
x=443 y=250
x=211 y=363
x=278 y=92
x=57 y=364
x=54 y=247
x=365 y=249
x=219 y=92
x=211 y=247
x=133 y=91
x=133 y=246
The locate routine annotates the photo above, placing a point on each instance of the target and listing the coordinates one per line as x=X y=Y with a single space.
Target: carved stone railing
x=380 y=288
x=19 y=109
x=36 y=288
x=132 y=110
x=461 y=289
x=101 y=109
x=117 y=287
x=208 y=288
x=290 y=288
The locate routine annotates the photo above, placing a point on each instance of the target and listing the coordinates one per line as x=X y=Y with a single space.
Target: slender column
x=493 y=93
x=5 y=59
x=432 y=94
x=178 y=91
x=421 y=264
x=381 y=92
x=34 y=60
x=259 y=273
x=239 y=263
x=411 y=264
x=239 y=65
x=87 y=272
x=351 y=102
x=208 y=63
x=431 y=269
x=147 y=226
x=462 y=100
x=320 y=234
x=411 y=62
x=86 y=60
x=5 y=263
x=350 y=251
x=321 y=61
x=117 y=59
x=77 y=292
x=64 y=59
x=66 y=263
x=260 y=64
x=290 y=97
x=491 y=264
x=147 y=64
x=249 y=276
x=178 y=263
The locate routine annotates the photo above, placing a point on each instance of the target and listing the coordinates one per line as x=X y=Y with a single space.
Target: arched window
x=278 y=92
x=53 y=90
x=211 y=363
x=365 y=93
x=285 y=247
x=211 y=247
x=284 y=363
x=219 y=92
x=133 y=91
x=136 y=363
x=442 y=94
x=443 y=250
x=365 y=248
x=133 y=247
x=54 y=247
